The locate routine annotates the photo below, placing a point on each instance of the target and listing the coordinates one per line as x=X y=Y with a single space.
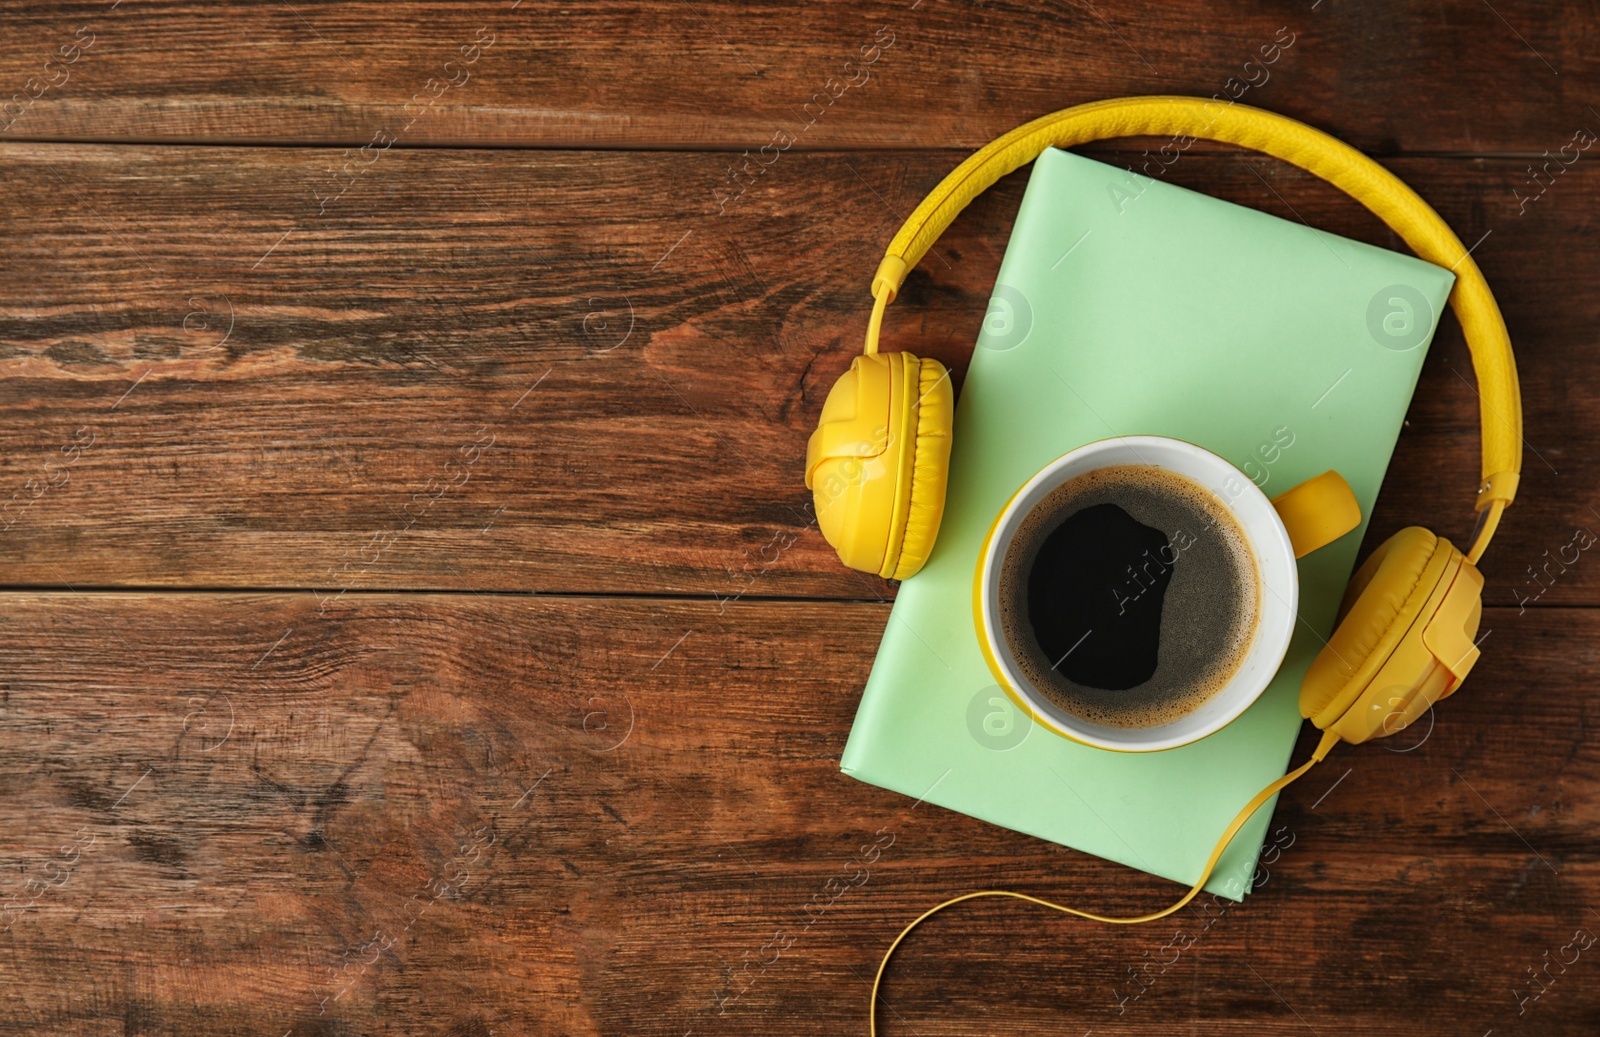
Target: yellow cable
x=1329 y=740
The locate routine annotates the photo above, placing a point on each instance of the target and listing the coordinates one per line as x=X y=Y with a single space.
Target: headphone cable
x=1329 y=740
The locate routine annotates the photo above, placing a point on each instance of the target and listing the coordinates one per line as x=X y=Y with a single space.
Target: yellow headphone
x=878 y=461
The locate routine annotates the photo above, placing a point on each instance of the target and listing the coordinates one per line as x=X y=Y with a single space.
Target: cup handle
x=1318 y=511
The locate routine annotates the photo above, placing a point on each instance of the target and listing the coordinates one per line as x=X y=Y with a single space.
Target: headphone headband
x=1312 y=150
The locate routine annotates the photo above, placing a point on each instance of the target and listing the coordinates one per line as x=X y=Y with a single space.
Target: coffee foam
x=1209 y=616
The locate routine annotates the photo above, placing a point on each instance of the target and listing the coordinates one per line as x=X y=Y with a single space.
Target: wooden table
x=414 y=621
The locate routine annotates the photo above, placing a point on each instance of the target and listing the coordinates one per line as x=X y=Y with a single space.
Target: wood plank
x=1408 y=76
x=467 y=814
x=461 y=374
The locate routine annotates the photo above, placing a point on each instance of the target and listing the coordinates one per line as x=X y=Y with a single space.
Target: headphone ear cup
x=934 y=412
x=878 y=461
x=1405 y=642
x=1378 y=607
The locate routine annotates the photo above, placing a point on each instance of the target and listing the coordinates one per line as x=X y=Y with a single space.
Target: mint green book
x=1125 y=305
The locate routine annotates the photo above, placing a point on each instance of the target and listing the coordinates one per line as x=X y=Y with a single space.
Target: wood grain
x=586 y=816
x=458 y=375
x=720 y=74
x=412 y=617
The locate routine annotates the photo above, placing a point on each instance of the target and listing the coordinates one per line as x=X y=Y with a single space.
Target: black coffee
x=1129 y=596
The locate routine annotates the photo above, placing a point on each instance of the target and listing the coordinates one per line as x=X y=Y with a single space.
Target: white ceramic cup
x=1269 y=543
